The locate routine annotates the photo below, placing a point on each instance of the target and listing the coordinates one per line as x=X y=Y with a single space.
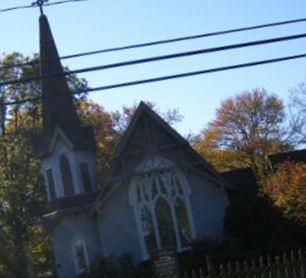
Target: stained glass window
x=148 y=230
x=66 y=176
x=160 y=197
x=165 y=223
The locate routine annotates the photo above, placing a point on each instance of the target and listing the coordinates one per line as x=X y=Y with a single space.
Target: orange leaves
x=287 y=188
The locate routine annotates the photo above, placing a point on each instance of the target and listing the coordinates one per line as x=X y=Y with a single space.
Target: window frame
x=61 y=176
x=48 y=184
x=163 y=166
x=90 y=185
x=76 y=241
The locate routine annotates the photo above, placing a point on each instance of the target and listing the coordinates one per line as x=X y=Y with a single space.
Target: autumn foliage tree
x=247 y=128
x=287 y=188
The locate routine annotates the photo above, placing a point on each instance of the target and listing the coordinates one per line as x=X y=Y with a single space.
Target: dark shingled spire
x=57 y=111
x=58 y=108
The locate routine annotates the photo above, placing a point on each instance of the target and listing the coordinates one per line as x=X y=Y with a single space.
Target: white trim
x=187 y=189
x=92 y=185
x=166 y=163
x=81 y=240
x=57 y=134
x=61 y=145
x=175 y=224
x=155 y=227
x=141 y=235
x=48 y=185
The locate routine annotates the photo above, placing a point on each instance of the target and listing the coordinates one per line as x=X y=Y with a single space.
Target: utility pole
x=40 y=4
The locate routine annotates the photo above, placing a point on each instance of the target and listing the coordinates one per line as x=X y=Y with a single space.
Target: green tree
x=25 y=249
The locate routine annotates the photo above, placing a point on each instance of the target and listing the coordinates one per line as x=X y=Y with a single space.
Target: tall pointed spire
x=58 y=108
x=57 y=102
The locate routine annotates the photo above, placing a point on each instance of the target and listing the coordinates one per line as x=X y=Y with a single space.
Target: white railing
x=288 y=265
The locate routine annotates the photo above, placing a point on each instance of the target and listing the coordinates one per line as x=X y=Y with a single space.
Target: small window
x=85 y=177
x=66 y=176
x=51 y=185
x=81 y=260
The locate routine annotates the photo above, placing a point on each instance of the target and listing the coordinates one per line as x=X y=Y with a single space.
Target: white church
x=159 y=191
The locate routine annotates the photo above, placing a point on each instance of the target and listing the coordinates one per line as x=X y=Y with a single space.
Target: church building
x=159 y=192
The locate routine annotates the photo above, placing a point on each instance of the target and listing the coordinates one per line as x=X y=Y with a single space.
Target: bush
x=261 y=226
x=114 y=267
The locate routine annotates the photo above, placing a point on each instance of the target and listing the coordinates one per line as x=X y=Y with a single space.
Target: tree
x=260 y=225
x=22 y=200
x=298 y=112
x=222 y=159
x=287 y=188
x=247 y=128
x=25 y=249
x=276 y=220
x=28 y=113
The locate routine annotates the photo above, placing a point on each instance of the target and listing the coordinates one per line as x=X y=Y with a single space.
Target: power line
x=218 y=33
x=63 y=2
x=167 y=77
x=16 y=8
x=34 y=6
x=166 y=41
x=157 y=58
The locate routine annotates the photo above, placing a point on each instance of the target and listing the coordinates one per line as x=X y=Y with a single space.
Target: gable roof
x=244 y=183
x=293 y=156
x=144 y=109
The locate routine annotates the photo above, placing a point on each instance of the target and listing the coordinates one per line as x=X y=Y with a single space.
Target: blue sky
x=98 y=24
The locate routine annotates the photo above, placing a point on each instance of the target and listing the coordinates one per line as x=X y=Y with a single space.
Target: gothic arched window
x=80 y=256
x=66 y=174
x=86 y=179
x=159 y=194
x=51 y=184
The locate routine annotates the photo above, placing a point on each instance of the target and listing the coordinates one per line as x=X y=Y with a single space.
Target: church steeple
x=58 y=109
x=57 y=102
x=65 y=146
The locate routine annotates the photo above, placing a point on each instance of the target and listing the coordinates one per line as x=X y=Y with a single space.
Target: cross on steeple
x=40 y=4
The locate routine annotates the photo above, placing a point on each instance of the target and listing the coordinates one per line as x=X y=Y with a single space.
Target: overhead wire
x=63 y=2
x=156 y=58
x=35 y=6
x=167 y=77
x=165 y=41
